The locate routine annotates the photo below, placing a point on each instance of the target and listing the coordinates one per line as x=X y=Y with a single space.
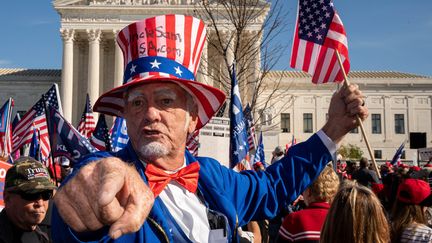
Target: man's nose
x=152 y=113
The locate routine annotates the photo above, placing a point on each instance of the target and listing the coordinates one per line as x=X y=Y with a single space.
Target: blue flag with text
x=238 y=128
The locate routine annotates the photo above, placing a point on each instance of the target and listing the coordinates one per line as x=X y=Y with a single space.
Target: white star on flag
x=155 y=64
x=178 y=71
x=132 y=69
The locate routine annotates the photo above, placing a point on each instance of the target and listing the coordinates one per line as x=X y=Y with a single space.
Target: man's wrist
x=333 y=132
x=328 y=142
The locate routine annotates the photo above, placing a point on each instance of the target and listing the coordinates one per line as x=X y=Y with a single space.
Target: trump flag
x=238 y=133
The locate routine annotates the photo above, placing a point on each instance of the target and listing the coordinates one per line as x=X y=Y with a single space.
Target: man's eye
x=137 y=102
x=167 y=101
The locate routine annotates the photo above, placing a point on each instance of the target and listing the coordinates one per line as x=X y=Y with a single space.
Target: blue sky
x=391 y=35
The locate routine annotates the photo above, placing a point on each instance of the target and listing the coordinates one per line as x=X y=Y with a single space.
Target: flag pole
x=359 y=121
x=7 y=128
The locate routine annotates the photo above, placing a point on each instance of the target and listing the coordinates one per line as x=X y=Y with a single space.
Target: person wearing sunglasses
x=27 y=191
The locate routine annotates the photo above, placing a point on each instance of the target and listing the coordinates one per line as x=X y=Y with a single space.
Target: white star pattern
x=155 y=64
x=132 y=69
x=315 y=19
x=178 y=71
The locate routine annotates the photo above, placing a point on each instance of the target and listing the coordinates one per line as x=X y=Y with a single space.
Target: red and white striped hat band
x=164 y=48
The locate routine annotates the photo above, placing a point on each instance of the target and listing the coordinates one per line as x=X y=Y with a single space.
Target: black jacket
x=9 y=233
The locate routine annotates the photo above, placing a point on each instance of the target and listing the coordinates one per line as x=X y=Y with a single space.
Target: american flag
x=318 y=35
x=87 y=123
x=193 y=143
x=119 y=136
x=6 y=128
x=66 y=140
x=35 y=119
x=238 y=133
x=250 y=127
x=100 y=137
x=259 y=153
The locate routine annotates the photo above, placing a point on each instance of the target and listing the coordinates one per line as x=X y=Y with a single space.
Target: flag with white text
x=319 y=33
x=238 y=134
x=250 y=127
x=259 y=153
x=119 y=135
x=66 y=140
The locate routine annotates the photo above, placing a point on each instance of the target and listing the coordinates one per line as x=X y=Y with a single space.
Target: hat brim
x=209 y=99
x=31 y=188
x=427 y=202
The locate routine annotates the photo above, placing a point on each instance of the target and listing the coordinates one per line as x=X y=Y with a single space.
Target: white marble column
x=93 y=64
x=118 y=63
x=388 y=125
x=320 y=118
x=411 y=115
x=67 y=72
x=205 y=66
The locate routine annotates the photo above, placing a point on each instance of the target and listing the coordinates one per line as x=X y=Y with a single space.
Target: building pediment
x=65 y=3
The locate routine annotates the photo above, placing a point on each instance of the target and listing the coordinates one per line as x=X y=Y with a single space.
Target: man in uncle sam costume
x=154 y=190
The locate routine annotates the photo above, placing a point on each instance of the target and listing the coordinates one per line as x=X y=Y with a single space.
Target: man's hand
x=345 y=106
x=106 y=192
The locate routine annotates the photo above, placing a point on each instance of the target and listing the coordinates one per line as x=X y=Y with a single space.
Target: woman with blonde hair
x=356 y=215
x=305 y=225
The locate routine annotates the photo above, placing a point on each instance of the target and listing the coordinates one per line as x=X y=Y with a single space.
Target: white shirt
x=191 y=214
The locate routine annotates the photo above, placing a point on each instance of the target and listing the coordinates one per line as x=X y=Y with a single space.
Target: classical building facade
x=399 y=104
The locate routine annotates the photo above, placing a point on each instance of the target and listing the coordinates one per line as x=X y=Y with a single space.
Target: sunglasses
x=46 y=195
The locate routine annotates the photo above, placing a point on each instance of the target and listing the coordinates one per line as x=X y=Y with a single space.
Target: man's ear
x=193 y=122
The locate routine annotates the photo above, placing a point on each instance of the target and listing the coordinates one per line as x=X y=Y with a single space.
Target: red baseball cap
x=414 y=191
x=415 y=168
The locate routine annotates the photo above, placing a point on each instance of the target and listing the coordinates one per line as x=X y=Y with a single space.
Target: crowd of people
x=352 y=204
x=154 y=190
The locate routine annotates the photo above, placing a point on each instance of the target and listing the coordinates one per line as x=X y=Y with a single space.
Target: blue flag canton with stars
x=238 y=144
x=314 y=19
x=51 y=98
x=101 y=132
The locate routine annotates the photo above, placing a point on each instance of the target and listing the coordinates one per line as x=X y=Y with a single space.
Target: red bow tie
x=187 y=177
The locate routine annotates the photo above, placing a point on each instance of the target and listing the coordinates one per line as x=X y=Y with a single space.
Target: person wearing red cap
x=154 y=190
x=408 y=215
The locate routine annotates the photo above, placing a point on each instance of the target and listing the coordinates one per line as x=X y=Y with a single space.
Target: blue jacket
x=241 y=197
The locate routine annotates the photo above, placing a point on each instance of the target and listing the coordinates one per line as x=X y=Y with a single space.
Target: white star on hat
x=155 y=64
x=132 y=70
x=178 y=71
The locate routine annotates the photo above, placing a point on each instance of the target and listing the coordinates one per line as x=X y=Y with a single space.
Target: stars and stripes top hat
x=163 y=48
